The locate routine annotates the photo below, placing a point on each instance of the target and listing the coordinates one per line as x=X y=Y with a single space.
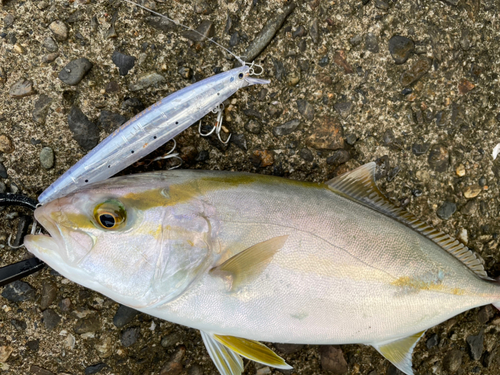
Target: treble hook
x=19 y=270
x=169 y=155
x=219 y=109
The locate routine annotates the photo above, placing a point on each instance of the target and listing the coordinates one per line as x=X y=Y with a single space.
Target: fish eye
x=241 y=75
x=110 y=215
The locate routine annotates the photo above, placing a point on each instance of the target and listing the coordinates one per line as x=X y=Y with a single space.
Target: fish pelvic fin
x=247 y=265
x=253 y=350
x=359 y=185
x=399 y=351
x=226 y=360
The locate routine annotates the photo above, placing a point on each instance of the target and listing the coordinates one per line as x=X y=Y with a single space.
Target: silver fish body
x=340 y=268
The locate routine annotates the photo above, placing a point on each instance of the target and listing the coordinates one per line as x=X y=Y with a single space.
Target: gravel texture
x=343 y=92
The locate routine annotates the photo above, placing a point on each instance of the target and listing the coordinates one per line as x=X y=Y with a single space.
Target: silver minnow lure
x=150 y=129
x=247 y=258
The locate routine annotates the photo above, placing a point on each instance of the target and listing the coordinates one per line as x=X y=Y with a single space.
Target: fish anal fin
x=226 y=360
x=399 y=351
x=359 y=185
x=248 y=264
x=253 y=350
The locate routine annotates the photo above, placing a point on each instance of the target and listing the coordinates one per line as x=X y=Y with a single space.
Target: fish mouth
x=44 y=246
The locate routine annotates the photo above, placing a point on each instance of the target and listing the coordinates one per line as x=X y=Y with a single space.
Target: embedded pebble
x=416 y=72
x=105 y=348
x=19 y=325
x=240 y=141
x=124 y=315
x=3 y=171
x=49 y=294
x=22 y=88
x=432 y=341
x=472 y=191
x=146 y=80
x=18 y=291
x=130 y=336
x=160 y=23
x=123 y=62
x=463 y=236
x=262 y=158
x=460 y=170
x=314 y=31
x=94 y=369
x=6 y=145
x=50 y=44
x=453 y=360
x=286 y=128
x=401 y=48
x=253 y=127
x=202 y=156
x=75 y=70
x=305 y=109
x=170 y=340
x=371 y=43
x=343 y=108
x=465 y=86
x=37 y=370
x=267 y=33
x=306 y=154
x=185 y=72
x=47 y=157
x=340 y=59
x=338 y=157
x=5 y=352
x=327 y=134
x=88 y=324
x=439 y=158
x=419 y=148
x=60 y=30
x=332 y=359
x=299 y=32
x=8 y=20
x=382 y=5
x=206 y=29
x=50 y=319
x=85 y=132
x=446 y=210
x=41 y=108
x=174 y=366
x=110 y=121
x=476 y=345
x=49 y=57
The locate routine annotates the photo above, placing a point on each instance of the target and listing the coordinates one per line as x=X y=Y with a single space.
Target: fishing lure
x=154 y=127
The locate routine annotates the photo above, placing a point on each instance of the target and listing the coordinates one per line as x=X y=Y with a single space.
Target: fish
x=246 y=258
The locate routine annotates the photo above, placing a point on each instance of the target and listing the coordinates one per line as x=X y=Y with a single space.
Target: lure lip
x=256 y=81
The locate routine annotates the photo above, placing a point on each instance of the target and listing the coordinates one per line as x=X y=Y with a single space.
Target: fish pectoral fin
x=226 y=360
x=399 y=351
x=247 y=265
x=253 y=350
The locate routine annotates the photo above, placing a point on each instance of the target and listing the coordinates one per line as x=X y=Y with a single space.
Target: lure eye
x=110 y=215
x=241 y=75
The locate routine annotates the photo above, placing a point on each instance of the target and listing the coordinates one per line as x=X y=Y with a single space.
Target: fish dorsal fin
x=359 y=185
x=225 y=359
x=248 y=264
x=399 y=351
x=253 y=350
